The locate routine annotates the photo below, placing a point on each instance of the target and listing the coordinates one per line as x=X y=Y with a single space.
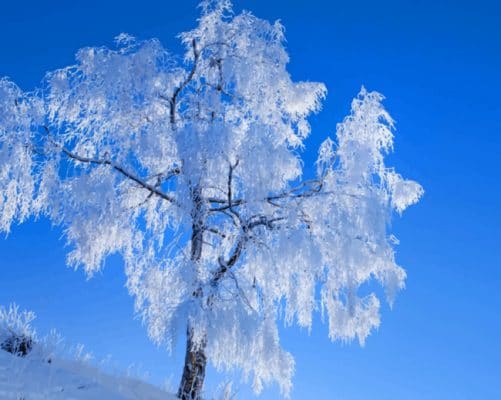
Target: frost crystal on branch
x=192 y=173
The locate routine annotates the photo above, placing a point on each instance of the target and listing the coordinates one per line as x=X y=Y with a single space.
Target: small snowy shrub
x=16 y=334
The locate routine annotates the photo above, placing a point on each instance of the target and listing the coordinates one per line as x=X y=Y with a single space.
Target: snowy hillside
x=31 y=378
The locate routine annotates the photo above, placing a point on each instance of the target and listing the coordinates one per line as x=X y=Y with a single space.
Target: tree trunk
x=195 y=361
x=194 y=370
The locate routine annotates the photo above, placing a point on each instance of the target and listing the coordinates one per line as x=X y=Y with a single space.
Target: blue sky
x=438 y=63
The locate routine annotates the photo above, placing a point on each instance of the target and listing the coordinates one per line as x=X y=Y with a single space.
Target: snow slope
x=31 y=378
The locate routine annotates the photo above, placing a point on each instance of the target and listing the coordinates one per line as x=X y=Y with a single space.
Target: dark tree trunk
x=194 y=370
x=195 y=361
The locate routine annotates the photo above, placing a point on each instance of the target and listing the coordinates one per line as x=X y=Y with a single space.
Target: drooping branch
x=154 y=189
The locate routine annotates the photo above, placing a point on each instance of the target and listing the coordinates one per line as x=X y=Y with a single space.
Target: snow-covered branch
x=182 y=86
x=153 y=189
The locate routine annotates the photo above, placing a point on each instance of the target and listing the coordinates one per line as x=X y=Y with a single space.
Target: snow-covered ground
x=33 y=378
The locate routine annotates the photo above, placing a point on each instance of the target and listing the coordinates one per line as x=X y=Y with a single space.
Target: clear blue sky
x=438 y=63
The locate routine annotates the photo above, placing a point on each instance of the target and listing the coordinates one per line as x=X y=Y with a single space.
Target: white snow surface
x=32 y=378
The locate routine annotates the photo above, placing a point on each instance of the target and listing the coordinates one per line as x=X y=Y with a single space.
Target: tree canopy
x=192 y=171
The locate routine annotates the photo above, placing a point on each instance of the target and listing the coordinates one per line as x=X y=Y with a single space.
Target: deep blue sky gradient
x=438 y=63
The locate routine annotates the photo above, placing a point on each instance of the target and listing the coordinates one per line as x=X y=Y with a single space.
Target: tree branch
x=313 y=187
x=152 y=188
x=225 y=266
x=230 y=183
x=173 y=100
x=214 y=231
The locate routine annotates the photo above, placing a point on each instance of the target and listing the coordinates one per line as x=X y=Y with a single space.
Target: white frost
x=192 y=173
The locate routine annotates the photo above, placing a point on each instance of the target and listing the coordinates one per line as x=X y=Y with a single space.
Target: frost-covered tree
x=192 y=172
